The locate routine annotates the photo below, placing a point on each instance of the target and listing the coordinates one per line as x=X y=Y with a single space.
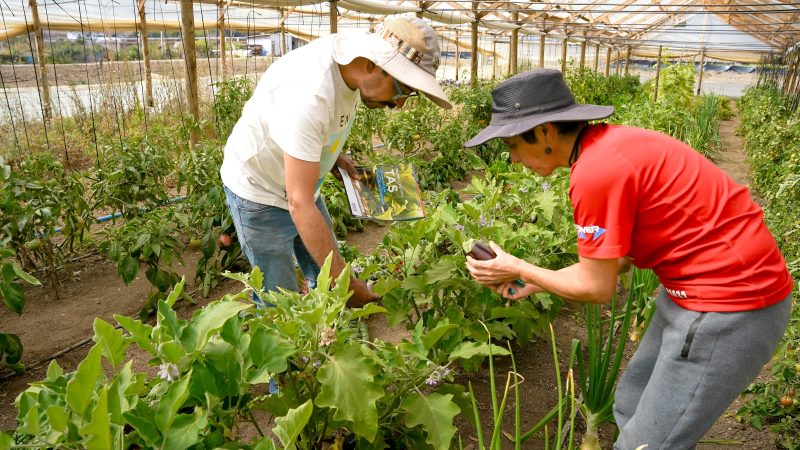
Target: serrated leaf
x=467 y=350
x=98 y=430
x=112 y=346
x=207 y=321
x=81 y=387
x=435 y=413
x=348 y=387
x=290 y=426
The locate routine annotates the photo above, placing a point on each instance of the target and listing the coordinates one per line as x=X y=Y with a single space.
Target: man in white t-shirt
x=291 y=135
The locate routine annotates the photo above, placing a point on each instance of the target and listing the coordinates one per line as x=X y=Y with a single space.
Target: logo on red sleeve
x=594 y=230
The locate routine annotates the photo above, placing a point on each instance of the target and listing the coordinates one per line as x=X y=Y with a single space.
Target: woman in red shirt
x=643 y=198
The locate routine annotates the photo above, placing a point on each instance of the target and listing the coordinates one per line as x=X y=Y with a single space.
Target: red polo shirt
x=645 y=195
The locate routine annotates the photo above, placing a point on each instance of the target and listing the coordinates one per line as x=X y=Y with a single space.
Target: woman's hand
x=493 y=272
x=513 y=291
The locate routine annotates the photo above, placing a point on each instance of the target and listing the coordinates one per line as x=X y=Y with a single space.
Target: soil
x=91 y=288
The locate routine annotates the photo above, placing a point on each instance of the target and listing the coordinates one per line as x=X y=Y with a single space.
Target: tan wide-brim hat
x=405 y=47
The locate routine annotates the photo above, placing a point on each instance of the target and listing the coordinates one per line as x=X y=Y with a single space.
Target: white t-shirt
x=301 y=106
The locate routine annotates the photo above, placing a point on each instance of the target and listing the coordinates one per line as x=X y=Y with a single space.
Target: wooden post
x=542 y=43
x=190 y=60
x=494 y=58
x=608 y=60
x=473 y=68
x=658 y=72
x=40 y=61
x=223 y=58
x=793 y=80
x=422 y=6
x=285 y=15
x=583 y=52
x=564 y=46
x=334 y=16
x=148 y=75
x=596 y=57
x=700 y=77
x=627 y=60
x=512 y=50
x=458 y=50
x=618 y=68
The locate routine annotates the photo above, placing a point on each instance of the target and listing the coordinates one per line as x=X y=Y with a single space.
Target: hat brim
x=413 y=76
x=576 y=112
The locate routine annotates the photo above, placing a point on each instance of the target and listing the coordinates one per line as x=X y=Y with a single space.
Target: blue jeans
x=270 y=241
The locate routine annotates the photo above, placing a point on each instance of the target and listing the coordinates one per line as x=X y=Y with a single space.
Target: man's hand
x=362 y=294
x=347 y=164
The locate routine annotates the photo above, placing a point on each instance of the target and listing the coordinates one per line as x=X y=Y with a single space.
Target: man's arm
x=301 y=181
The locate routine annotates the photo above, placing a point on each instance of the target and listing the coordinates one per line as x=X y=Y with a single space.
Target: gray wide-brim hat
x=533 y=98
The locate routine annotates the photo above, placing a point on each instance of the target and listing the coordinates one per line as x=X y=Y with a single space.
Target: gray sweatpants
x=688 y=369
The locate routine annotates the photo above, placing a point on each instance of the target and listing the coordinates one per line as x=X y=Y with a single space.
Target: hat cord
x=573 y=156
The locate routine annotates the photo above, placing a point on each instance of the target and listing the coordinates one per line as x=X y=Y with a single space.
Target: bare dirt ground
x=93 y=289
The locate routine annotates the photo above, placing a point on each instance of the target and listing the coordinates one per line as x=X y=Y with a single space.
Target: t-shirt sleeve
x=298 y=121
x=603 y=194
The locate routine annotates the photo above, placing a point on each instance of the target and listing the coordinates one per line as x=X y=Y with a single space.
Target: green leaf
x=440 y=270
x=257 y=278
x=185 y=431
x=5 y=441
x=11 y=348
x=140 y=332
x=168 y=320
x=270 y=354
x=58 y=418
x=13 y=296
x=128 y=268
x=290 y=426
x=435 y=413
x=170 y=403
x=469 y=349
x=110 y=341
x=432 y=337
x=348 y=387
x=384 y=285
x=81 y=387
x=367 y=310
x=142 y=421
x=264 y=444
x=207 y=321
x=98 y=429
x=547 y=202
x=25 y=276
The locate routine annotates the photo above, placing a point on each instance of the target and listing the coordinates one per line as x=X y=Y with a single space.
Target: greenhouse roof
x=730 y=29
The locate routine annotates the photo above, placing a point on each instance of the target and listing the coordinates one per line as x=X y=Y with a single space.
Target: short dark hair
x=562 y=127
